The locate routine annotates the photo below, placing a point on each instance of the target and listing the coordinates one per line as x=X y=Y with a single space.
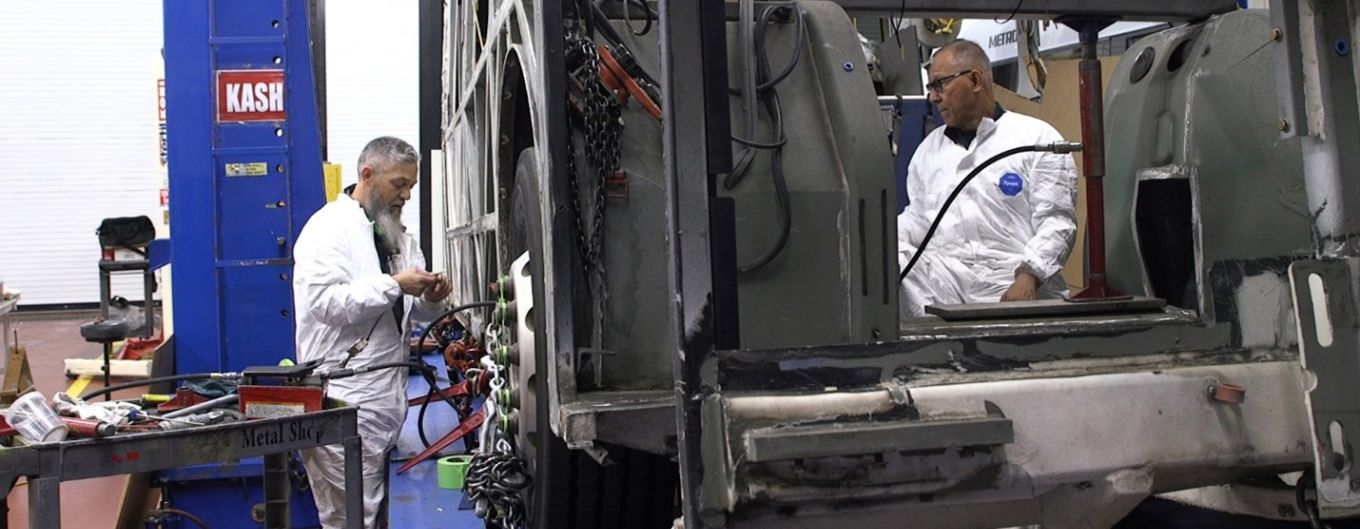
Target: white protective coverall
x=1016 y=214
x=339 y=292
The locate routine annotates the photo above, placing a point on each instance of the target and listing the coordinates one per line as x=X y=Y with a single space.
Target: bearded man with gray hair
x=358 y=278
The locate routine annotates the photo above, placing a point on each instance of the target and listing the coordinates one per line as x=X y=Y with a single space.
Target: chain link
x=497 y=476
x=603 y=127
x=491 y=407
x=495 y=482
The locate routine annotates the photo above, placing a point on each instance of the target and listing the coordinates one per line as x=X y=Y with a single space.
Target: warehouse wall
x=78 y=138
x=78 y=129
x=372 y=81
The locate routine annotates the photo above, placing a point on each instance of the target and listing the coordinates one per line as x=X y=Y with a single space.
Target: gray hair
x=968 y=54
x=387 y=151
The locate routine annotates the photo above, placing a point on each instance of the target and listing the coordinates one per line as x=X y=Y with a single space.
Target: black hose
x=447 y=313
x=758 y=145
x=783 y=211
x=797 y=46
x=345 y=373
x=420 y=417
x=648 y=15
x=1309 y=507
x=797 y=50
x=430 y=378
x=897 y=22
x=585 y=10
x=958 y=189
x=769 y=96
x=432 y=381
x=428 y=372
x=622 y=53
x=150 y=381
x=763 y=71
x=193 y=518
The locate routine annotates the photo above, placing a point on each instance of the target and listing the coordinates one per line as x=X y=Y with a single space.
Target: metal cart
x=47 y=465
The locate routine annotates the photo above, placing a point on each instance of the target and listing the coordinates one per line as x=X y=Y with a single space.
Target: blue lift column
x=245 y=174
x=245 y=153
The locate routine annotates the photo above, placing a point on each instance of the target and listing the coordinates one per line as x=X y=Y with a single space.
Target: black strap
x=385 y=264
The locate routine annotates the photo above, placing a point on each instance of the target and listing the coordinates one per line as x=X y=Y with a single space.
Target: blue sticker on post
x=1011 y=184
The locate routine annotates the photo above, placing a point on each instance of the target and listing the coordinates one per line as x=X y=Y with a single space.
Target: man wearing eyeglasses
x=1007 y=235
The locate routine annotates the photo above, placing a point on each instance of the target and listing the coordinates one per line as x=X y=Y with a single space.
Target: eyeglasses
x=938 y=84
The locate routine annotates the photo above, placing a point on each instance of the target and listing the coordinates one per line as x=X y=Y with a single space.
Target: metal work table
x=47 y=465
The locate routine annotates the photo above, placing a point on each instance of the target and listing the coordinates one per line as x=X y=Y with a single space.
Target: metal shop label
x=247 y=169
x=275 y=434
x=250 y=95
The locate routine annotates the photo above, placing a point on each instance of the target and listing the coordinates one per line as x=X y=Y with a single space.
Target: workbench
x=46 y=465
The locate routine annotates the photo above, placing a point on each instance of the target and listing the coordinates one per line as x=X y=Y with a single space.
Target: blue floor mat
x=416 y=499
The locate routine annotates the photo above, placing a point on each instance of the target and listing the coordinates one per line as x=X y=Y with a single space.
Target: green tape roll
x=452 y=470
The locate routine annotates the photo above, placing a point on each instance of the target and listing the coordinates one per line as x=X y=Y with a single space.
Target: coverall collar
x=347 y=194
x=964 y=138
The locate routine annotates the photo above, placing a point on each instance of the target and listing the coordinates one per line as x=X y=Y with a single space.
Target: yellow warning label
x=247 y=169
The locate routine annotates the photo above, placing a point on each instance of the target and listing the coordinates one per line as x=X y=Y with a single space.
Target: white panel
x=438 y=192
x=997 y=38
x=78 y=124
x=372 y=82
x=78 y=138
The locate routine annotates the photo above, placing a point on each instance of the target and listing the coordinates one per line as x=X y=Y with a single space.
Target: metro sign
x=250 y=95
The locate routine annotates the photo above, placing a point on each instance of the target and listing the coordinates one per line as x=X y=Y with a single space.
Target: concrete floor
x=51 y=338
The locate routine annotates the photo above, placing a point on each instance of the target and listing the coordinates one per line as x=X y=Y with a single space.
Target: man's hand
x=1024 y=288
x=438 y=289
x=414 y=281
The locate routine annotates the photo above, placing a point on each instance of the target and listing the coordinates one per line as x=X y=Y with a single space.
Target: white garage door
x=79 y=134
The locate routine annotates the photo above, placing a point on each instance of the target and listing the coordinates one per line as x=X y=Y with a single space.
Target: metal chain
x=494 y=483
x=496 y=476
x=603 y=127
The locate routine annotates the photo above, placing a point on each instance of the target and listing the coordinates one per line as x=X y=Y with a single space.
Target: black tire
x=634 y=490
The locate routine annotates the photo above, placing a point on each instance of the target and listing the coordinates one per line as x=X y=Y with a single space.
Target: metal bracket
x=899 y=394
x=598 y=453
x=591 y=364
x=1325 y=304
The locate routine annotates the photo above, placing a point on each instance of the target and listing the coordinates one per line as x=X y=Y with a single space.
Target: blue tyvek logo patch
x=1011 y=184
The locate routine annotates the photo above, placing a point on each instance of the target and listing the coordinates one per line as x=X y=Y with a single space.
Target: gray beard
x=390 y=229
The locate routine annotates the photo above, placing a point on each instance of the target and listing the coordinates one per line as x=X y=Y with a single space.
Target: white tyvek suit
x=1015 y=215
x=339 y=291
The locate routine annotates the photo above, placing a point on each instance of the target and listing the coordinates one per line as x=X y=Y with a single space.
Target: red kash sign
x=250 y=95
